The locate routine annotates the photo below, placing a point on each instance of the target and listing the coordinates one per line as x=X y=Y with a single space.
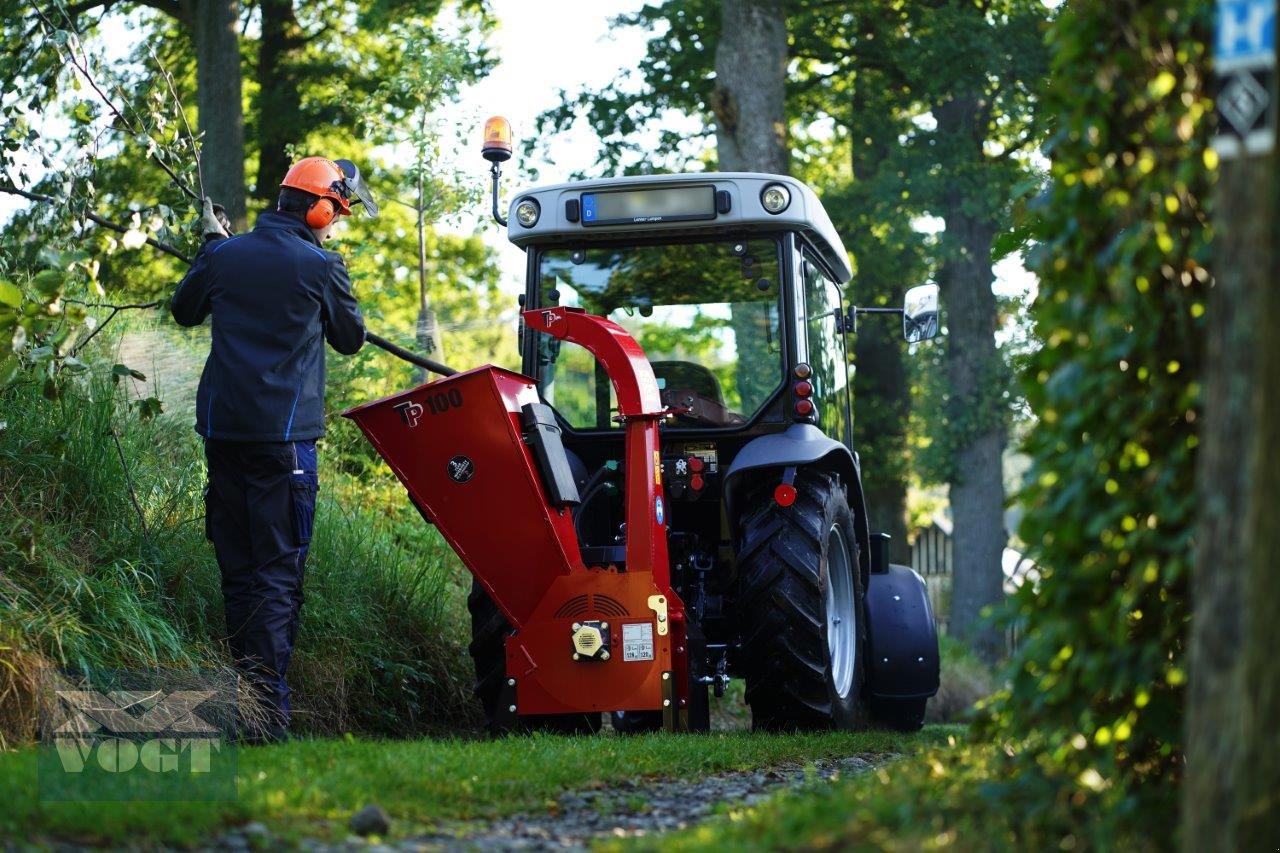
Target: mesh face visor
x=355 y=188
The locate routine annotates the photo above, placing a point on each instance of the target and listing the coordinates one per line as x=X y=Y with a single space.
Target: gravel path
x=627 y=809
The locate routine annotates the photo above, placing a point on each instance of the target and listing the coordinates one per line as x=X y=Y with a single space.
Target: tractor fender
x=902 y=638
x=801 y=445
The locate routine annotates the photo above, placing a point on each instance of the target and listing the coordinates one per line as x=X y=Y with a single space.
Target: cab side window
x=827 y=354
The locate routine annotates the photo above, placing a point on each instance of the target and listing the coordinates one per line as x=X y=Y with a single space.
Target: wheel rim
x=841 y=619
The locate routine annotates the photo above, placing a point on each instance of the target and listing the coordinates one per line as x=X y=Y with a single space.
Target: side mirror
x=920 y=313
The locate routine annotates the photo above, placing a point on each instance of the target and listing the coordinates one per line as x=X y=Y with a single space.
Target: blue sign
x=1246 y=33
x=588 y=207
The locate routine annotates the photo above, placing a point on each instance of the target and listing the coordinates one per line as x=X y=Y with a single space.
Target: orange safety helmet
x=334 y=182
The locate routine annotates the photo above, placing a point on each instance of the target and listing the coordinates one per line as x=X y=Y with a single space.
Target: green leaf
x=9 y=367
x=10 y=294
x=49 y=282
x=149 y=408
x=119 y=371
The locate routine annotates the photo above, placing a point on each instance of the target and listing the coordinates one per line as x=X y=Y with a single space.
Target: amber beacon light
x=497 y=140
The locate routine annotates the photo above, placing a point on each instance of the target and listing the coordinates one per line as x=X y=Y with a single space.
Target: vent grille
x=581 y=605
x=607 y=606
x=576 y=606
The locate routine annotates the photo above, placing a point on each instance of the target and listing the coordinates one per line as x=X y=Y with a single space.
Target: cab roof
x=556 y=223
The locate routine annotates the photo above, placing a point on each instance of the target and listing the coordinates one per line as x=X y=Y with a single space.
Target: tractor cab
x=732 y=283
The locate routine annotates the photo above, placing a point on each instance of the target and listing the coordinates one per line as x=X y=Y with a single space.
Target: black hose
x=411 y=357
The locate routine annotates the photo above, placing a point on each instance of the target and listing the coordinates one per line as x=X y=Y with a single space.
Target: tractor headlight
x=527 y=213
x=775 y=198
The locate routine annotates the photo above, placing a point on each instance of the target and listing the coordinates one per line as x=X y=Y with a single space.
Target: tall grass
x=90 y=580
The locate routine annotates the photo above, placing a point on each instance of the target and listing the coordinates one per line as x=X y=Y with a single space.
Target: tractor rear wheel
x=489 y=631
x=800 y=605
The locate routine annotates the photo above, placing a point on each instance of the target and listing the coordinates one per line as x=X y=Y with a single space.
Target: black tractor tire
x=489 y=631
x=902 y=715
x=786 y=558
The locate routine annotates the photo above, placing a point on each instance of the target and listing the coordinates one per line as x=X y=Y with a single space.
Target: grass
x=310 y=787
x=955 y=796
x=90 y=581
x=965 y=680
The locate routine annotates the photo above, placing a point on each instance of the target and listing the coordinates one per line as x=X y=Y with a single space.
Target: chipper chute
x=482 y=459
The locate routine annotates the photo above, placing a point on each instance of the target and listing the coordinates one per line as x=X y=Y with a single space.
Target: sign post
x=1245 y=65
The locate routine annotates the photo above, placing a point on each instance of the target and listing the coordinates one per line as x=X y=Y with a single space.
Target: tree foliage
x=1092 y=714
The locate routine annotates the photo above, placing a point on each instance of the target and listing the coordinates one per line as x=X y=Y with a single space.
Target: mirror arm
x=848 y=323
x=496 y=171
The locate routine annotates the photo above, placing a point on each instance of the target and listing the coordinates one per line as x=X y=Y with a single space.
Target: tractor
x=667 y=495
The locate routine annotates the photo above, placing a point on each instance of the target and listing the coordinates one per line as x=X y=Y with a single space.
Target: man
x=276 y=295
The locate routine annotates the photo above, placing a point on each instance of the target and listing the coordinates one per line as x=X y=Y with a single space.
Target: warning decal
x=637 y=641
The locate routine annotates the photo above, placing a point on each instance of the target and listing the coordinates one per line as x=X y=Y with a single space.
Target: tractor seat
x=696 y=389
x=689 y=376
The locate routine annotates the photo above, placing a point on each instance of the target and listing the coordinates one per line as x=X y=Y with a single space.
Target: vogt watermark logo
x=138 y=736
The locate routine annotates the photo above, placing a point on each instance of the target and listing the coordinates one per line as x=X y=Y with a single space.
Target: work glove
x=213 y=220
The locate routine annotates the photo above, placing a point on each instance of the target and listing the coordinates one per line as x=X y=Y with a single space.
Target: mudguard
x=801 y=444
x=902 y=638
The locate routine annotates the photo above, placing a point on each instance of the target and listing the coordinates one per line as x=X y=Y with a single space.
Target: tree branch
x=83 y=70
x=93 y=217
x=115 y=309
x=77 y=9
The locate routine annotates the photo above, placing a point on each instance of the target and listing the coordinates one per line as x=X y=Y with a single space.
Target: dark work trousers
x=259 y=509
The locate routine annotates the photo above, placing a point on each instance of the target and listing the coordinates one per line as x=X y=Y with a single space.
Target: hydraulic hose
x=411 y=357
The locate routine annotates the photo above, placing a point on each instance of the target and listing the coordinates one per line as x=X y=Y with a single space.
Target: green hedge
x=1093 y=713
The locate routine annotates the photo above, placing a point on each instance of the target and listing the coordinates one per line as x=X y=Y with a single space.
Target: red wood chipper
x=642 y=528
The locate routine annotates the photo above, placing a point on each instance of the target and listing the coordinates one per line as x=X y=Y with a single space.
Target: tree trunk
x=1231 y=797
x=750 y=106
x=1215 y=719
x=750 y=99
x=882 y=407
x=1259 y=791
x=214 y=25
x=974 y=371
x=279 y=101
x=881 y=386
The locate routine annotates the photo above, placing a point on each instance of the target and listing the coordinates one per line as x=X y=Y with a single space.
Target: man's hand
x=213 y=220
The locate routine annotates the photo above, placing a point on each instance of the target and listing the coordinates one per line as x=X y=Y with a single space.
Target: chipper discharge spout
x=482 y=459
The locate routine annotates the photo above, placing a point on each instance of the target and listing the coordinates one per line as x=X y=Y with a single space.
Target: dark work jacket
x=275 y=296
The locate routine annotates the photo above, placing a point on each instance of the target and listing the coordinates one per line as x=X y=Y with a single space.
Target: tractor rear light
x=802 y=371
x=804 y=408
x=527 y=213
x=784 y=494
x=804 y=389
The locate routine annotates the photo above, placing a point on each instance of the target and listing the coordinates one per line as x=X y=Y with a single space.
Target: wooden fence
x=931 y=556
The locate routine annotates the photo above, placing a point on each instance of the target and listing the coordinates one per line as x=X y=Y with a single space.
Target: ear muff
x=321 y=213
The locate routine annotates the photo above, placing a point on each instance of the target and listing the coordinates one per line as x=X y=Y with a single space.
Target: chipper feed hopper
x=482 y=459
